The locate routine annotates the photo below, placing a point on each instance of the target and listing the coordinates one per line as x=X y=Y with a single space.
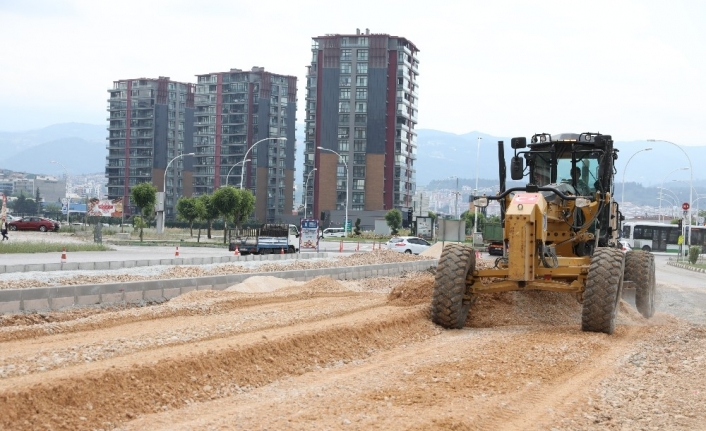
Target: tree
x=37 y=201
x=52 y=207
x=245 y=207
x=189 y=209
x=357 y=227
x=23 y=205
x=144 y=195
x=210 y=211
x=394 y=220
x=226 y=200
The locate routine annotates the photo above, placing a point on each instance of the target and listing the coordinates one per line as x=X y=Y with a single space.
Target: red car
x=33 y=223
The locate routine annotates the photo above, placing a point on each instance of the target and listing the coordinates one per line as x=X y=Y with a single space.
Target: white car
x=408 y=244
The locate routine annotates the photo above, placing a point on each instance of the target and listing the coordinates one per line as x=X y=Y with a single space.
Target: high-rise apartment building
x=239 y=116
x=361 y=102
x=151 y=123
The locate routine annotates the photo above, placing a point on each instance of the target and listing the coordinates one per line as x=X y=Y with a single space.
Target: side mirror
x=516 y=143
x=516 y=167
x=480 y=202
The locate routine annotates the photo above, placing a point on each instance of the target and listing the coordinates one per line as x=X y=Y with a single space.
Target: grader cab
x=560 y=233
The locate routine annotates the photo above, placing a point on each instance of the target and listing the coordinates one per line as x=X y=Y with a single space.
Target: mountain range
x=81 y=148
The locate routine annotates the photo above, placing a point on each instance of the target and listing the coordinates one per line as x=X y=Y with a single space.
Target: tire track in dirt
x=90 y=395
x=50 y=352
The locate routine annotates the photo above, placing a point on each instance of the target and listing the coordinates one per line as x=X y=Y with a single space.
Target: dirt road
x=349 y=355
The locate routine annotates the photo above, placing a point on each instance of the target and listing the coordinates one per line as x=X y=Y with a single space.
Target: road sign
x=685 y=206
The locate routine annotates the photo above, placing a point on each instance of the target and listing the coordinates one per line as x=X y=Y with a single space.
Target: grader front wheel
x=449 y=309
x=603 y=288
x=640 y=269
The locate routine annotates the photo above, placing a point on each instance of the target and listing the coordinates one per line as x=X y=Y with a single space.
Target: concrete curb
x=90 y=266
x=687 y=267
x=58 y=297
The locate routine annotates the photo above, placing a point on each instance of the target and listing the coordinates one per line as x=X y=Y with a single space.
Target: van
x=333 y=232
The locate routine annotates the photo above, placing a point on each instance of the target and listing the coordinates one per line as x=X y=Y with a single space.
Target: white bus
x=653 y=236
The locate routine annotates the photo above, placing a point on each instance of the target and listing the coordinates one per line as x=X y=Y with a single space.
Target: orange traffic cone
x=281 y=250
x=237 y=251
x=176 y=253
x=63 y=255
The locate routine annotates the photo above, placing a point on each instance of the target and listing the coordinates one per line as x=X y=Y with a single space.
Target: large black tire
x=448 y=307
x=640 y=269
x=603 y=288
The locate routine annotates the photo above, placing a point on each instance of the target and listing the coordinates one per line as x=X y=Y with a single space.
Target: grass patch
x=48 y=247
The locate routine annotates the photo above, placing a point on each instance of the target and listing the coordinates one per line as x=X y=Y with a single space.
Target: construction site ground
x=326 y=354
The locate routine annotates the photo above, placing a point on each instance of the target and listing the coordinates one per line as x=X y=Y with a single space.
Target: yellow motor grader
x=560 y=233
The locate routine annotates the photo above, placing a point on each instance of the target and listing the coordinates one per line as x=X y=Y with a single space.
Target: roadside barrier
x=63 y=255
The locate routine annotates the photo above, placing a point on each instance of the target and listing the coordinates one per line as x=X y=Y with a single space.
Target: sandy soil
x=348 y=355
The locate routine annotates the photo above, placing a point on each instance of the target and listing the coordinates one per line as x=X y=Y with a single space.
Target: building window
x=360 y=133
x=358 y=184
x=344 y=106
x=345 y=81
x=359 y=145
x=343 y=145
x=341 y=171
x=345 y=67
x=358 y=158
x=344 y=118
x=361 y=107
x=345 y=93
x=361 y=67
x=343 y=132
x=361 y=93
x=361 y=119
x=359 y=171
x=345 y=54
x=362 y=54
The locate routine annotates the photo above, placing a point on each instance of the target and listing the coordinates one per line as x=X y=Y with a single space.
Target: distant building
x=234 y=111
x=151 y=122
x=25 y=186
x=361 y=101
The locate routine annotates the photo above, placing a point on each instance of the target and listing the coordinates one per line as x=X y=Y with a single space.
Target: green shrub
x=694 y=254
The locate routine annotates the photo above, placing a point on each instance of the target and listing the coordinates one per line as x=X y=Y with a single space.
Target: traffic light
x=680 y=224
x=410 y=214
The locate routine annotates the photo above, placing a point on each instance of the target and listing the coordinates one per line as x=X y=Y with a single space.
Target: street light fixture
x=164 y=188
x=622 y=196
x=475 y=191
x=661 y=188
x=345 y=165
x=66 y=191
x=231 y=169
x=306 y=190
x=691 y=179
x=242 y=174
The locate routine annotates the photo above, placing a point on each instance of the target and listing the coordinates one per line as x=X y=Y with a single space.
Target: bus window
x=626 y=232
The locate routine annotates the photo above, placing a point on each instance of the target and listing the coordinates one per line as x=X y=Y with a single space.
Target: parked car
x=624 y=245
x=407 y=244
x=333 y=232
x=495 y=248
x=33 y=223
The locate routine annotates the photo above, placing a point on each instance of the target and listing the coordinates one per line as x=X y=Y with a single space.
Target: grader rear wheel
x=603 y=288
x=640 y=269
x=448 y=307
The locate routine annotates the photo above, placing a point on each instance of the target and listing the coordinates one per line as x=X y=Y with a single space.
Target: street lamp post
x=66 y=190
x=242 y=174
x=164 y=188
x=345 y=165
x=475 y=191
x=622 y=196
x=661 y=188
x=306 y=190
x=231 y=168
x=691 y=179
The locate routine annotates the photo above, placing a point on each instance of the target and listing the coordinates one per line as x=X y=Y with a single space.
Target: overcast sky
x=633 y=69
